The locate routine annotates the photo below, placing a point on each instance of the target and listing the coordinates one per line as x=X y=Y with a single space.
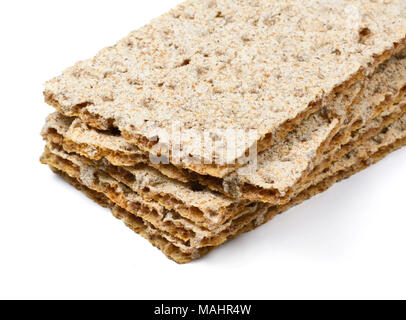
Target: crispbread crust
x=294 y=56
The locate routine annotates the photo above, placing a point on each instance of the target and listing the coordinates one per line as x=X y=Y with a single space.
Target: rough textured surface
x=125 y=189
x=199 y=223
x=206 y=209
x=185 y=232
x=371 y=151
x=188 y=66
x=96 y=145
x=279 y=169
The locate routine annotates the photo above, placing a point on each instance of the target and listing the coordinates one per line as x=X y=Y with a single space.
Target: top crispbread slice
x=224 y=64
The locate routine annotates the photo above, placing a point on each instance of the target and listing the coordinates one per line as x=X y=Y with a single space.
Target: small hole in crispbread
x=196 y=186
x=52 y=131
x=130 y=178
x=364 y=35
x=81 y=106
x=114 y=131
x=185 y=62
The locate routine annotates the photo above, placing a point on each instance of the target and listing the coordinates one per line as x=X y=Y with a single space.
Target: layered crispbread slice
x=171 y=241
x=207 y=209
x=282 y=169
x=151 y=185
x=257 y=66
x=198 y=205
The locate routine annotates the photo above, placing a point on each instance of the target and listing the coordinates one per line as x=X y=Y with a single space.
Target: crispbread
x=297 y=155
x=206 y=209
x=294 y=56
x=171 y=194
x=370 y=152
x=99 y=181
x=176 y=196
x=354 y=137
x=283 y=166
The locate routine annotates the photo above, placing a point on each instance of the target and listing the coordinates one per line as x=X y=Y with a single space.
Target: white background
x=55 y=243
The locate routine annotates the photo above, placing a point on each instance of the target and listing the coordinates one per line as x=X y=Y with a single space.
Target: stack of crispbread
x=309 y=92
